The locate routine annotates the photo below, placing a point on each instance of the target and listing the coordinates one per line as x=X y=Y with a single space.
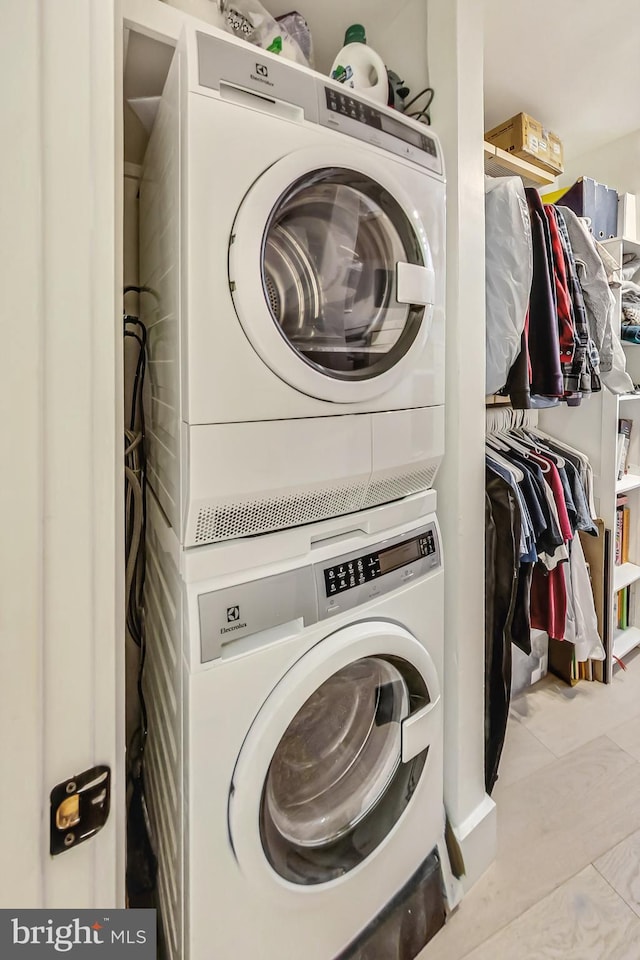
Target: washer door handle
x=417 y=730
x=415 y=284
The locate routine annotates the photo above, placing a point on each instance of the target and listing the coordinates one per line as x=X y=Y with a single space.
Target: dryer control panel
x=343 y=110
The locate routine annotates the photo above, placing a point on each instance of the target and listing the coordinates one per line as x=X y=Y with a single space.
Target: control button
x=331 y=574
x=333 y=608
x=333 y=105
x=350 y=567
x=333 y=588
x=362 y=578
x=360 y=564
x=352 y=581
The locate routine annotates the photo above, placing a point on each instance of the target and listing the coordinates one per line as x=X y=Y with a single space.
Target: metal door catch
x=79 y=808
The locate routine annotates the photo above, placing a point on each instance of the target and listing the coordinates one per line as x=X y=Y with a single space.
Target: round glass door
x=329 y=256
x=336 y=783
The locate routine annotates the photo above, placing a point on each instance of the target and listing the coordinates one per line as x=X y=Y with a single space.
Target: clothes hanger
x=558 y=443
x=513 y=444
x=492 y=441
x=538 y=447
x=511 y=468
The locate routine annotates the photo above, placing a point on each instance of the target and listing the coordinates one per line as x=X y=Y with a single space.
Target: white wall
x=21 y=431
x=396 y=30
x=456 y=71
x=616 y=163
x=60 y=556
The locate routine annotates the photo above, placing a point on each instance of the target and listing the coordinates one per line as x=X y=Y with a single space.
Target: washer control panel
x=354 y=578
x=369 y=566
x=315 y=591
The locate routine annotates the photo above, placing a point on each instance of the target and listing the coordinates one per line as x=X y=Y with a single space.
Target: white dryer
x=292 y=251
x=295 y=756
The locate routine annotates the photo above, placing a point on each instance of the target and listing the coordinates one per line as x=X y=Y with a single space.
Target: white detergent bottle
x=359 y=67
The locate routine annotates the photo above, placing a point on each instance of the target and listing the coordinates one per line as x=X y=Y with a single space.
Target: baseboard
x=477 y=836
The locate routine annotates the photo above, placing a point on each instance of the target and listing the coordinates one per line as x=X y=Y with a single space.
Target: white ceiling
x=574 y=65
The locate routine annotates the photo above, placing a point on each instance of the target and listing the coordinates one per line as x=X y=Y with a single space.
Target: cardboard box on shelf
x=529 y=140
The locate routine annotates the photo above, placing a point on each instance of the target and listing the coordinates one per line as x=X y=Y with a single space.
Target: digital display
x=389 y=125
x=340 y=104
x=356 y=571
x=399 y=556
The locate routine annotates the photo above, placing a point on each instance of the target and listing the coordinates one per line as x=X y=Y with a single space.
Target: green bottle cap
x=355 y=34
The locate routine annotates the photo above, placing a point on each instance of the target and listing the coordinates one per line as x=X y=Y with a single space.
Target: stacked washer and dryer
x=292 y=257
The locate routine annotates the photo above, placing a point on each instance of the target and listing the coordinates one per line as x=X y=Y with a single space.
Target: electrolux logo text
x=261 y=74
x=41 y=933
x=233 y=616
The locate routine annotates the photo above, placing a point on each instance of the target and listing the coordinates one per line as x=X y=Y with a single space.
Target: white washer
x=292 y=244
x=295 y=762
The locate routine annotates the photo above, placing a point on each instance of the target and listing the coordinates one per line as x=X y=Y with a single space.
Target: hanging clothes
x=544 y=342
x=502 y=549
x=552 y=485
x=600 y=304
x=568 y=342
x=539 y=494
x=508 y=272
x=586 y=359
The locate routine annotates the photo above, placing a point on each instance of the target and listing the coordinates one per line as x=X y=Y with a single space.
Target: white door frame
x=61 y=583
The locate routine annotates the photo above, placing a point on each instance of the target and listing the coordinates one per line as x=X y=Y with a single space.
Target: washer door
x=332 y=760
x=331 y=273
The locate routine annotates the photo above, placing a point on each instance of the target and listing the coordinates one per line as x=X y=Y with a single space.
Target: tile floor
x=566 y=881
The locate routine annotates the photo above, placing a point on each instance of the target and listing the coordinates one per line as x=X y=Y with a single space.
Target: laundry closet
x=76 y=382
x=293 y=560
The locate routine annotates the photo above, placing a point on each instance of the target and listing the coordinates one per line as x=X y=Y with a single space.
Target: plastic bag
x=248 y=20
x=509 y=272
x=298 y=28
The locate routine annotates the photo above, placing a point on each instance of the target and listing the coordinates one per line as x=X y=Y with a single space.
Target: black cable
x=417 y=97
x=424 y=112
x=141 y=858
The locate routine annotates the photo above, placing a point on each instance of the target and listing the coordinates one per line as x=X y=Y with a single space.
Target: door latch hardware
x=79 y=808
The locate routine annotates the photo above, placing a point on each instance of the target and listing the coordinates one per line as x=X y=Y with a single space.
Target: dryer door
x=331 y=271
x=332 y=760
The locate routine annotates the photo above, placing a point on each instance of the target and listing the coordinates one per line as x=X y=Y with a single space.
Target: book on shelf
x=622 y=448
x=622 y=620
x=622 y=531
x=619 y=531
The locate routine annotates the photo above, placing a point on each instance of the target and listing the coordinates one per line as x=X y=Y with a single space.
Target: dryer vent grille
x=386 y=489
x=249 y=517
x=246 y=518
